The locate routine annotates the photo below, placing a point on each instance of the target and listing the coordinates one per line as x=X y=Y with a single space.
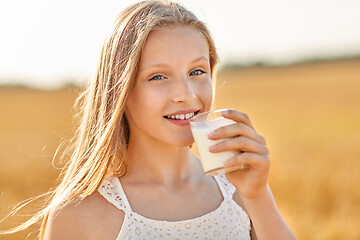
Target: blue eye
x=197 y=72
x=157 y=77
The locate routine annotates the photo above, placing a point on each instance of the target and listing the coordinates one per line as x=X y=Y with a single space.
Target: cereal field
x=309 y=114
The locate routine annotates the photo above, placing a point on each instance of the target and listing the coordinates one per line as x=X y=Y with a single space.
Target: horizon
x=75 y=82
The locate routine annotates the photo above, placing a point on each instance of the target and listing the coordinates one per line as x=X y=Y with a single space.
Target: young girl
x=132 y=174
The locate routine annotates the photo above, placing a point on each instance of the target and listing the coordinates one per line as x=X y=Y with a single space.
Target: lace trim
x=227 y=189
x=112 y=191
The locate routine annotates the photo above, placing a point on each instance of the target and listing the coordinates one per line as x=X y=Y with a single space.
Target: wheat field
x=309 y=114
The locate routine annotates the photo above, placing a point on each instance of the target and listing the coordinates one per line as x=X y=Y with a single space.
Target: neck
x=159 y=163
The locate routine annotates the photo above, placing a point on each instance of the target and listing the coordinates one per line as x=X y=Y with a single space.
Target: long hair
x=99 y=145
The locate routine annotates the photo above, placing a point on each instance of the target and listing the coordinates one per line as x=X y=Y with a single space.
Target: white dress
x=228 y=221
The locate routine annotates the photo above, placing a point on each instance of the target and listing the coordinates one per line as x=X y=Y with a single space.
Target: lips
x=181 y=117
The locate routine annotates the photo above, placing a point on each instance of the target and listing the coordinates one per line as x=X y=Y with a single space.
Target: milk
x=212 y=162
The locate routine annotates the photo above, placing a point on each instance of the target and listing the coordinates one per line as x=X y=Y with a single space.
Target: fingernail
x=211 y=135
x=212 y=148
x=227 y=163
x=227 y=111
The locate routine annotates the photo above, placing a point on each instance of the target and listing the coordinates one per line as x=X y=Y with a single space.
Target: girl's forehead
x=169 y=31
x=176 y=41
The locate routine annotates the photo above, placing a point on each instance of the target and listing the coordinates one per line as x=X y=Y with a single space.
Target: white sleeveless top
x=228 y=221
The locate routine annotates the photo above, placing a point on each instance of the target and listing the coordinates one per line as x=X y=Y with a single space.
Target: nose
x=183 y=91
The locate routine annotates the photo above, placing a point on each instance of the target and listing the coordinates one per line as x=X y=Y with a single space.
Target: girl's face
x=174 y=78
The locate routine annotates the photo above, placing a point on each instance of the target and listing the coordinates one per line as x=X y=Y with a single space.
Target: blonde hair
x=99 y=145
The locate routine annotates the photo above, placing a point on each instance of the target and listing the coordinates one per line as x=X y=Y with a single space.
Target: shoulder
x=82 y=220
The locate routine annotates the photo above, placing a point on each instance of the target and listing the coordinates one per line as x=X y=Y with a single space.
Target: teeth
x=181 y=116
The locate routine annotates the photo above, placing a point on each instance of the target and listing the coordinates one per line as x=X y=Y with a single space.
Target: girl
x=132 y=174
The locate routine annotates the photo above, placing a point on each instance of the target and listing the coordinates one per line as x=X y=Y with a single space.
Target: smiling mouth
x=182 y=116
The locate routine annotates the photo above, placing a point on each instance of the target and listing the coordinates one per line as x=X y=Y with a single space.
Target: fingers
x=236 y=129
x=238 y=117
x=259 y=161
x=241 y=136
x=240 y=143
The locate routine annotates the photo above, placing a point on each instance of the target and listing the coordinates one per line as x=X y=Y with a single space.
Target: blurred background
x=293 y=67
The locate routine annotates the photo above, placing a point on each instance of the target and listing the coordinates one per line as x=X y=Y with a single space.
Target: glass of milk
x=201 y=125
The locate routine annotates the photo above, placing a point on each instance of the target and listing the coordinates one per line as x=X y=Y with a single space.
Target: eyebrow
x=201 y=58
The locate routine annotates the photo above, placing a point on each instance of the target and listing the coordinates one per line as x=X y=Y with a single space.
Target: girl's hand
x=250 y=182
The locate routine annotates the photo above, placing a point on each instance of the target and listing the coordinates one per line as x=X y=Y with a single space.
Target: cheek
x=152 y=100
x=143 y=103
x=205 y=93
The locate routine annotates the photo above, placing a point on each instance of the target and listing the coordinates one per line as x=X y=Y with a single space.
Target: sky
x=49 y=43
